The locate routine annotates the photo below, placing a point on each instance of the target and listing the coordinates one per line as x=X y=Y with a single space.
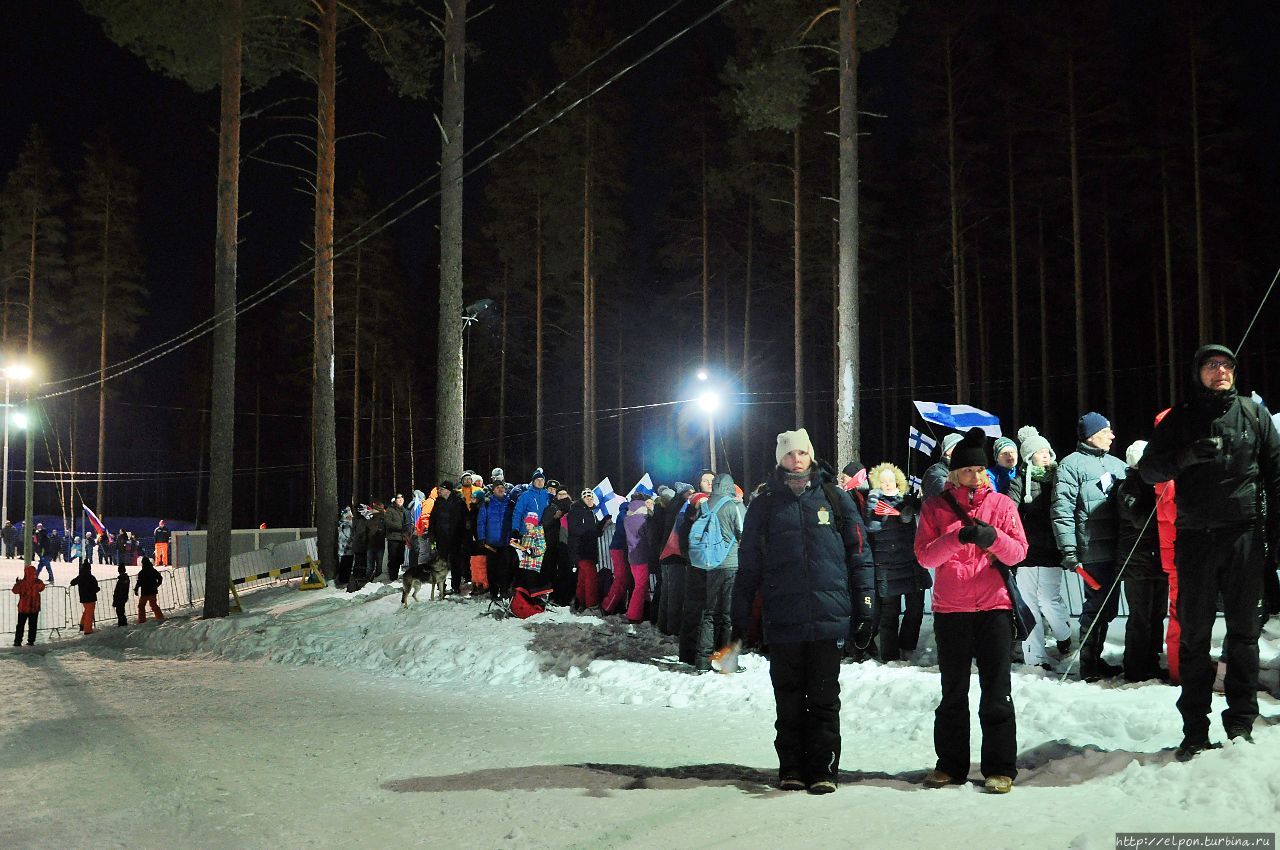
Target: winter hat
x=445 y=485
x=1133 y=454
x=1207 y=351
x=666 y=493
x=852 y=468
x=789 y=441
x=1003 y=443
x=531 y=518
x=1030 y=442
x=971 y=450
x=1090 y=424
x=537 y=473
x=585 y=493
x=949 y=442
x=497 y=474
x=682 y=487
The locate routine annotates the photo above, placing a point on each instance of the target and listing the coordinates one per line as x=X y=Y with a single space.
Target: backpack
x=525 y=604
x=708 y=547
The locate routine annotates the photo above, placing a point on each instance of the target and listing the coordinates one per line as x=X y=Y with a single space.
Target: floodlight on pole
x=12 y=372
x=20 y=420
x=703 y=375
x=709 y=401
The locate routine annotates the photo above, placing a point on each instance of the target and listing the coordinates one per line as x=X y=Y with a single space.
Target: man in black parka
x=803 y=545
x=1223 y=452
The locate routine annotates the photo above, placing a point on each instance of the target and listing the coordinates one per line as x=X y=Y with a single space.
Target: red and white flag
x=98 y=527
x=883 y=508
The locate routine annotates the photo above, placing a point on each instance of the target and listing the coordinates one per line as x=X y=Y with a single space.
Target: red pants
x=1173 y=633
x=162 y=554
x=86 y=618
x=588 y=590
x=617 y=595
x=143 y=602
x=639 y=593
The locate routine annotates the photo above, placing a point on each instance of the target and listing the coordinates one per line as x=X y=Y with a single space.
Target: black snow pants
x=806 y=691
x=1213 y=562
x=984 y=636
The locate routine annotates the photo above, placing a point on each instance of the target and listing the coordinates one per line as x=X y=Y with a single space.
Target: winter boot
x=1190 y=748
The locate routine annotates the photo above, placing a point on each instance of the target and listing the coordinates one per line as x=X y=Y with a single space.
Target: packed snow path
x=327 y=720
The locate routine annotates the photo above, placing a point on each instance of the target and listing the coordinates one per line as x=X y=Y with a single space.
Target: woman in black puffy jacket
x=900 y=580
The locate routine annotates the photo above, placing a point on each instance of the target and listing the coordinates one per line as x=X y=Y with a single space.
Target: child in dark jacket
x=120 y=597
x=88 y=587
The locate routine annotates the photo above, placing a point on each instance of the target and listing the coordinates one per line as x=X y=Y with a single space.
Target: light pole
x=30 y=483
x=709 y=402
x=16 y=372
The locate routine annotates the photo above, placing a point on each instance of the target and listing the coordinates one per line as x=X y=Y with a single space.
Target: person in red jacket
x=28 y=589
x=973 y=614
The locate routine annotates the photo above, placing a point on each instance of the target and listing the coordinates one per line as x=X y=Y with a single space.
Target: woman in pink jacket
x=972 y=615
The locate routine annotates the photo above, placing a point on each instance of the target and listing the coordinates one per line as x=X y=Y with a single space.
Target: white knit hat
x=789 y=441
x=1133 y=454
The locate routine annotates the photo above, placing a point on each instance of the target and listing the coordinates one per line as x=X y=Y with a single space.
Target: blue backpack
x=707 y=544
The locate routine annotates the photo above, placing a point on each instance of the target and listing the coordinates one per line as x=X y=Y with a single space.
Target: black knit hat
x=971 y=451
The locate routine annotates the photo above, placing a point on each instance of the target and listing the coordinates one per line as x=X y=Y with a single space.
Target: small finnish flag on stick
x=921 y=441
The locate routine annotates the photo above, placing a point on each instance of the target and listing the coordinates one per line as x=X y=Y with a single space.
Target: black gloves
x=1202 y=450
x=980 y=534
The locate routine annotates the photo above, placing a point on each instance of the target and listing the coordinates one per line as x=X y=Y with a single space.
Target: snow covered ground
x=322 y=719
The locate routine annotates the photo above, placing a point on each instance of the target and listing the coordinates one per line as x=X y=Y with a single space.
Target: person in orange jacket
x=28 y=589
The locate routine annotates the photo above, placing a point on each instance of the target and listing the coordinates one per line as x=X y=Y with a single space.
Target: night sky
x=59 y=71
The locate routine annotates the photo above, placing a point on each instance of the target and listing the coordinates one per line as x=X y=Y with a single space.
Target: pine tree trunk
x=588 y=472
x=373 y=403
x=848 y=359
x=1170 y=337
x=502 y=370
x=31 y=295
x=953 y=187
x=1108 y=333
x=1014 y=307
x=984 y=351
x=1044 y=323
x=100 y=493
x=1202 y=278
x=746 y=347
x=413 y=464
x=223 y=372
x=200 y=450
x=325 y=437
x=1077 y=259
x=706 y=260
x=355 y=389
x=449 y=414
x=797 y=277
x=257 y=444
x=395 y=432
x=538 y=351
x=621 y=467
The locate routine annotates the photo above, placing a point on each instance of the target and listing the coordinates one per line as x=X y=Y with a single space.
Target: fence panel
x=55 y=613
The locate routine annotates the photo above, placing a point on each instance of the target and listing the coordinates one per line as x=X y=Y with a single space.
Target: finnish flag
x=921 y=441
x=916 y=485
x=959 y=417
x=608 y=503
x=644 y=487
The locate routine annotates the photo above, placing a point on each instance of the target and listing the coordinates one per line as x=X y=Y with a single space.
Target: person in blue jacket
x=804 y=547
x=533 y=500
x=492 y=537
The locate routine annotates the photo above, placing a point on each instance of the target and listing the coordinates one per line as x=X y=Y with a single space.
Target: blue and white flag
x=608 y=503
x=916 y=485
x=959 y=417
x=644 y=487
x=921 y=441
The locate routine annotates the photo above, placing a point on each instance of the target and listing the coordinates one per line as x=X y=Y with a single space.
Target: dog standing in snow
x=435 y=572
